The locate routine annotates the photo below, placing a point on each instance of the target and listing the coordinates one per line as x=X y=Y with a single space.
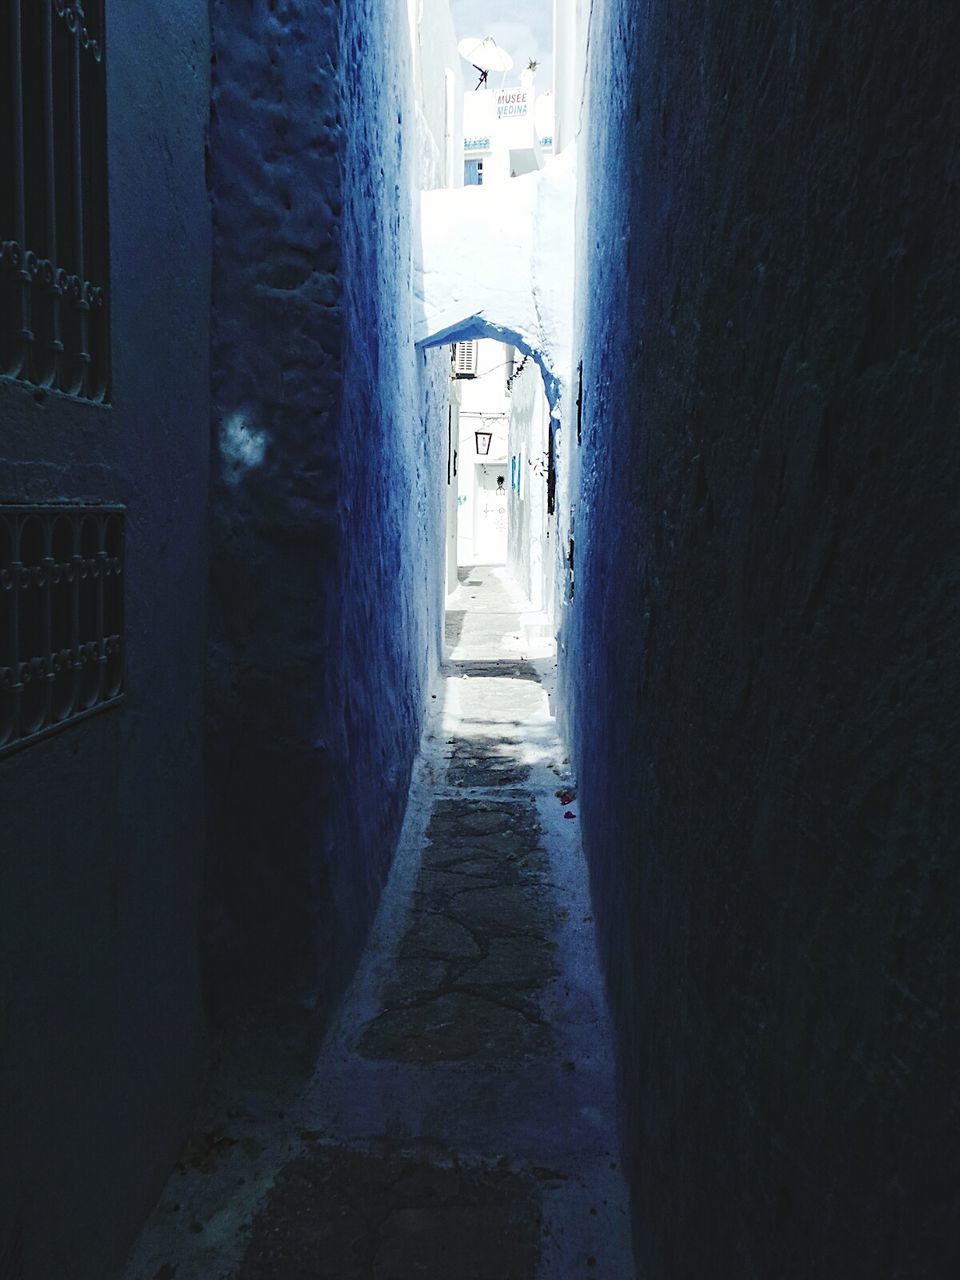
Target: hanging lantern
x=483 y=439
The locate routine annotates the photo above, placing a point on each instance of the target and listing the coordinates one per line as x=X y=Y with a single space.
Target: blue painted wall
x=393 y=457
x=328 y=436
x=101 y=1040
x=761 y=673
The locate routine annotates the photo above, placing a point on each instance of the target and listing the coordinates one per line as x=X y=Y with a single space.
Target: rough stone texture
x=101 y=1037
x=326 y=497
x=762 y=652
x=337 y=1214
x=490 y=929
x=460 y=1118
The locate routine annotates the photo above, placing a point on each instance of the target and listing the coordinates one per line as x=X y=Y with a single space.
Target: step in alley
x=460 y=1123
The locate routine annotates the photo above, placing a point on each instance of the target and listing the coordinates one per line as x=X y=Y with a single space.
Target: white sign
x=513 y=104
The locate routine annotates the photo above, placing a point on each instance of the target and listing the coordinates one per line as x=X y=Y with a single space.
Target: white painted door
x=490 y=513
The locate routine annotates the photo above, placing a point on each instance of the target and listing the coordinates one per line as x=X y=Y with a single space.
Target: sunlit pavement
x=461 y=1120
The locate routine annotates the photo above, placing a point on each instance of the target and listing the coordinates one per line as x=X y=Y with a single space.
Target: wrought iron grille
x=54 y=313
x=61 y=617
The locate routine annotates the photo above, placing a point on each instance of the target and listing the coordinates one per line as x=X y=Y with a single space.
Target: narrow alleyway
x=460 y=1123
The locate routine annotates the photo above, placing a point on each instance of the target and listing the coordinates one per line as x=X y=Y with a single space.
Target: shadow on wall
x=326 y=584
x=762 y=654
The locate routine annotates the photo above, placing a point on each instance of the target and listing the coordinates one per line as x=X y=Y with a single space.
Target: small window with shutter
x=465 y=359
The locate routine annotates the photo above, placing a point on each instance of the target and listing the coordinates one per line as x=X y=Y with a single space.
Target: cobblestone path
x=460 y=1123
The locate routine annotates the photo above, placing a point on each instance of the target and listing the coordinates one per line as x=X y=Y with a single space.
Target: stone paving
x=460 y=1122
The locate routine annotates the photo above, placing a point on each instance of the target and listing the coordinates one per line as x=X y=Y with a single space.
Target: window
x=465 y=359
x=473 y=173
x=54 y=315
x=61 y=617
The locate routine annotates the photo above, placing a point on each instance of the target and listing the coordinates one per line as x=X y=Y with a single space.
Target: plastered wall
x=760 y=661
x=331 y=435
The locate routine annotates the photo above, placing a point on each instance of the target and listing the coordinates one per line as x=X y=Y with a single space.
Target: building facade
x=104 y=476
x=508 y=131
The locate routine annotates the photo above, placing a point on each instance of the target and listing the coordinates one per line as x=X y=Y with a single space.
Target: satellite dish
x=484 y=55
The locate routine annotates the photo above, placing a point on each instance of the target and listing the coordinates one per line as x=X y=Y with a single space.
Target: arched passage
x=497 y=262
